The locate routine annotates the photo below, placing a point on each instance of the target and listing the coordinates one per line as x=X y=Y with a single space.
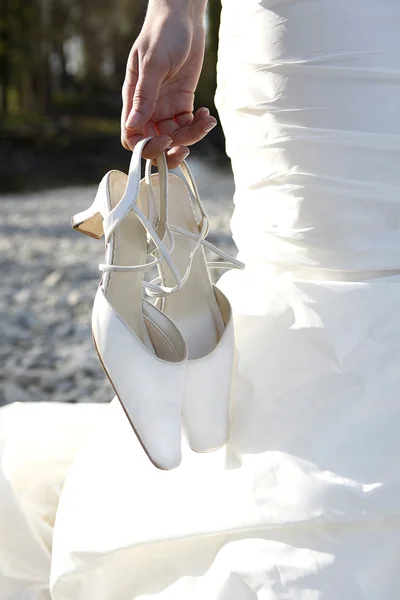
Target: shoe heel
x=89 y=222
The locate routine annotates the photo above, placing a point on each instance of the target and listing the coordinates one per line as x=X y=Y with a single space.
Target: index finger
x=153 y=148
x=128 y=92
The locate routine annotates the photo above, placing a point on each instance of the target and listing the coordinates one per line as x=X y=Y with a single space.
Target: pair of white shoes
x=170 y=363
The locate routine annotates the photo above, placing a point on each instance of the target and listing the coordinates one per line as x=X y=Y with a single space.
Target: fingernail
x=210 y=126
x=168 y=142
x=185 y=155
x=133 y=119
x=204 y=111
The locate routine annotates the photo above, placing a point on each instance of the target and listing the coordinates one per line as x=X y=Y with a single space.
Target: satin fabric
x=303 y=503
x=38 y=442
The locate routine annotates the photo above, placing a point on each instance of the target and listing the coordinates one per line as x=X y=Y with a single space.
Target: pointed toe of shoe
x=161 y=440
x=148 y=384
x=205 y=410
x=167 y=459
x=205 y=413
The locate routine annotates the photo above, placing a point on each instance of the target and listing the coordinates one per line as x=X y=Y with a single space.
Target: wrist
x=187 y=8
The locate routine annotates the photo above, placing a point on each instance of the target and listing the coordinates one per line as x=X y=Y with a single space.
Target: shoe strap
x=127 y=204
x=162 y=210
x=129 y=199
x=204 y=226
x=229 y=261
x=106 y=268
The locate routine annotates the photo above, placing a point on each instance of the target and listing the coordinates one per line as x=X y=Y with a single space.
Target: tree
x=34 y=61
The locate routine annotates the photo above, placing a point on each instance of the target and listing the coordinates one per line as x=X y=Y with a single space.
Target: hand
x=161 y=77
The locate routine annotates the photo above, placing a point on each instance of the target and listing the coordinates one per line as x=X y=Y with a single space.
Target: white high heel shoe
x=141 y=350
x=201 y=312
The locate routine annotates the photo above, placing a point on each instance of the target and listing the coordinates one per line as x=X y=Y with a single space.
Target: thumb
x=145 y=96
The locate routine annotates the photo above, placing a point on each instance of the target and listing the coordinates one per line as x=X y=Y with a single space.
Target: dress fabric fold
x=304 y=501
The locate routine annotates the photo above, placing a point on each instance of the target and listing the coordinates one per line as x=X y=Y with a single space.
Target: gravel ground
x=49 y=279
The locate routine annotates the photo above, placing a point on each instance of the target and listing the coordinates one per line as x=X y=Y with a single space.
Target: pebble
x=28 y=320
x=5 y=350
x=65 y=329
x=26 y=377
x=23 y=296
x=48 y=287
x=12 y=332
x=64 y=386
x=53 y=279
x=14 y=393
x=74 y=298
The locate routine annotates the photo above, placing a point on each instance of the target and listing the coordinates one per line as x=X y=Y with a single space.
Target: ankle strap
x=204 y=227
x=127 y=204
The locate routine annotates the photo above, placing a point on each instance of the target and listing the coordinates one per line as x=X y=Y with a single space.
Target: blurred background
x=62 y=64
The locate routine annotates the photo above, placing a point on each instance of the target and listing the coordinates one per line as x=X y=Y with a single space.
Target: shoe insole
x=124 y=290
x=194 y=308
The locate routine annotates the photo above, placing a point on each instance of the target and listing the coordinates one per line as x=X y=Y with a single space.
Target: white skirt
x=304 y=502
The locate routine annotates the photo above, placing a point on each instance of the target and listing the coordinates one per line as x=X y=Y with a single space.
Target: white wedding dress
x=304 y=502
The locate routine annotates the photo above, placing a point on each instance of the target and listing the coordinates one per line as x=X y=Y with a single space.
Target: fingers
x=171 y=126
x=128 y=90
x=191 y=133
x=187 y=130
x=140 y=94
x=173 y=135
x=153 y=148
x=145 y=95
x=183 y=121
x=159 y=144
x=176 y=155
